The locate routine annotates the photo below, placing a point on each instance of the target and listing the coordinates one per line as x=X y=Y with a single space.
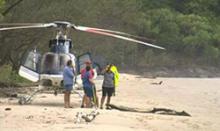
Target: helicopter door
x=81 y=61
x=30 y=67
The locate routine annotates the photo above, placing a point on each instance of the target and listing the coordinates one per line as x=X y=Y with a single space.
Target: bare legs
x=103 y=100
x=86 y=102
x=108 y=100
x=89 y=101
x=83 y=101
x=97 y=101
x=67 y=99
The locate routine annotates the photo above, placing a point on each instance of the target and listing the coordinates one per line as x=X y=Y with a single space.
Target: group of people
x=90 y=97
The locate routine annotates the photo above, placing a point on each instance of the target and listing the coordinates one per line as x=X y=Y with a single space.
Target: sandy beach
x=200 y=97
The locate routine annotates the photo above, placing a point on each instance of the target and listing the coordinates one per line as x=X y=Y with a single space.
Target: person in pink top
x=83 y=71
x=95 y=97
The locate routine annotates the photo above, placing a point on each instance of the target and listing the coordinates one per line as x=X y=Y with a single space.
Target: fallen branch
x=162 y=111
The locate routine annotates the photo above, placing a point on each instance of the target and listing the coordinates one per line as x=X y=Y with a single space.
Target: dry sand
x=199 y=97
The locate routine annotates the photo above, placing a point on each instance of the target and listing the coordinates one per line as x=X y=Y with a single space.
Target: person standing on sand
x=92 y=73
x=87 y=87
x=68 y=80
x=108 y=87
x=116 y=77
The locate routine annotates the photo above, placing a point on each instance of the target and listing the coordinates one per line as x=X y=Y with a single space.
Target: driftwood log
x=162 y=111
x=157 y=83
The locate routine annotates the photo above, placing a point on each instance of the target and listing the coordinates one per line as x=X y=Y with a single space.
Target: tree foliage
x=188 y=29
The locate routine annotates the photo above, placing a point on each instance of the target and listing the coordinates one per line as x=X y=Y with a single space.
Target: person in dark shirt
x=108 y=87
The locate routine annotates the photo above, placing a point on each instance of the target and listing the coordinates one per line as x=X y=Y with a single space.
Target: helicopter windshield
x=54 y=63
x=49 y=64
x=63 y=60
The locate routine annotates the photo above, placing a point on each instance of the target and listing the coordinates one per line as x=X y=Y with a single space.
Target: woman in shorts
x=68 y=80
x=108 y=87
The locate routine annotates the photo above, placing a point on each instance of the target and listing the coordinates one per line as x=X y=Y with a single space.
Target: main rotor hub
x=62 y=29
x=63 y=24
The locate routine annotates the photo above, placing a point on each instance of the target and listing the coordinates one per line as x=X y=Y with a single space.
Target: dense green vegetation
x=188 y=29
x=8 y=77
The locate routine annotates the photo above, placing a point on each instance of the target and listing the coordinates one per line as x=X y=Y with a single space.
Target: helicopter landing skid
x=28 y=99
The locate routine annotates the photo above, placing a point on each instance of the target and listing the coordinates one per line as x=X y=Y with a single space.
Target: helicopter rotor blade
x=62 y=24
x=115 y=34
x=29 y=26
x=19 y=24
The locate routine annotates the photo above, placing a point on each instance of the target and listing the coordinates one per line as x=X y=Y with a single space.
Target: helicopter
x=47 y=69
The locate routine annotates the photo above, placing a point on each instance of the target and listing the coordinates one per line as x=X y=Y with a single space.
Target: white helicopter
x=47 y=69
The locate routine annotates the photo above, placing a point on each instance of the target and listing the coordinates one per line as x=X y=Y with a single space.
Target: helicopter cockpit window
x=63 y=60
x=32 y=61
x=50 y=64
x=53 y=63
